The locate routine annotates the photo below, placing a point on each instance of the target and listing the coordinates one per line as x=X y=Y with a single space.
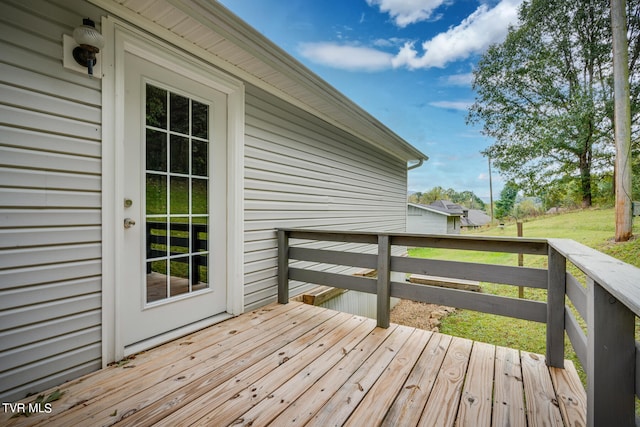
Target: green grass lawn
x=593 y=227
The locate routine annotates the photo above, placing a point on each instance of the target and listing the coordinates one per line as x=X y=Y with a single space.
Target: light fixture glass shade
x=87 y=35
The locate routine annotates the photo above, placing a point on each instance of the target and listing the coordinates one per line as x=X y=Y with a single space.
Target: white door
x=173 y=256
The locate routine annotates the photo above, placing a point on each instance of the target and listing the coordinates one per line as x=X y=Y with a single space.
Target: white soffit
x=209 y=30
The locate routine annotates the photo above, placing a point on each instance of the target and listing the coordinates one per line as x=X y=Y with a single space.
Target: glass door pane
x=177 y=194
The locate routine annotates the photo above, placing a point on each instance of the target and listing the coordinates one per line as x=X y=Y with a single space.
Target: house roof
x=211 y=31
x=475 y=218
x=436 y=209
x=447 y=206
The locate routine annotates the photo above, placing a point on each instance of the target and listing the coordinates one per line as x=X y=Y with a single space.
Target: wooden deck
x=297 y=365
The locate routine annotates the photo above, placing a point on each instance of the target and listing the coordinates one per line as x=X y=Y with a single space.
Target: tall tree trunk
x=585 y=179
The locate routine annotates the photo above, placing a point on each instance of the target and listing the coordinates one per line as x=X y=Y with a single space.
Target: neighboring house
x=140 y=204
x=440 y=217
x=474 y=218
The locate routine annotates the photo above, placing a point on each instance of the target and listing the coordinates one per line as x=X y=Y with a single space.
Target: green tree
x=508 y=195
x=468 y=199
x=464 y=198
x=545 y=94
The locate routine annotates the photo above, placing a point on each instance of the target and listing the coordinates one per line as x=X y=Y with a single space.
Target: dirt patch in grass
x=420 y=315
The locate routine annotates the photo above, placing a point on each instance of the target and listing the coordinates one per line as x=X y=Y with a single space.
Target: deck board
x=508 y=398
x=475 y=407
x=297 y=364
x=542 y=403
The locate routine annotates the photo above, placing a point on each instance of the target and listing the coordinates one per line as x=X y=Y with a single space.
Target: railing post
x=283 y=266
x=556 y=289
x=384 y=281
x=610 y=360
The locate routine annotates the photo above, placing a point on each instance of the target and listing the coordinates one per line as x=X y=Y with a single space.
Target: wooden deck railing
x=608 y=304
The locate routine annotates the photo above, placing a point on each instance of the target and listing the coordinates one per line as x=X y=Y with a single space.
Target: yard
x=594 y=228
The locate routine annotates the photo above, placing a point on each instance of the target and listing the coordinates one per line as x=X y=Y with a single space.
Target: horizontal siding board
x=325 y=163
x=264 y=190
x=15 y=218
x=48 y=123
x=352 y=223
x=270 y=253
x=20 y=77
x=15 y=35
x=337 y=165
x=45 y=142
x=42 y=369
x=31 y=60
x=44 y=198
x=64 y=325
x=43 y=349
x=48 y=255
x=15 y=278
x=30 y=159
x=33 y=314
x=255 y=275
x=57 y=378
x=39 y=294
x=328 y=211
x=298 y=125
x=24 y=178
x=35 y=101
x=50 y=19
x=38 y=237
x=275 y=177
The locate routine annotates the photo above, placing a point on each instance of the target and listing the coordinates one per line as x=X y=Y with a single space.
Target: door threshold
x=174 y=334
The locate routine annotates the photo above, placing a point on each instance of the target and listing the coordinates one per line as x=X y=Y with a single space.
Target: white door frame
x=120 y=38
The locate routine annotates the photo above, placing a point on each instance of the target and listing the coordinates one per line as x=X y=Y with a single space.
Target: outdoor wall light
x=90 y=41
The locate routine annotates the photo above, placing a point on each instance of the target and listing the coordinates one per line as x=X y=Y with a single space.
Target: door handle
x=128 y=223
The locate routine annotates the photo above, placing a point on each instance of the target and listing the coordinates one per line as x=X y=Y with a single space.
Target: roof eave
x=354 y=119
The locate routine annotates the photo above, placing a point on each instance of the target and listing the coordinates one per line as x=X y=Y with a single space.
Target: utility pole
x=490 y=190
x=622 y=121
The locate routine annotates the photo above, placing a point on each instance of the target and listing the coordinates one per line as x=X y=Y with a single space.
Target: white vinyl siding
x=301 y=172
x=426 y=222
x=50 y=196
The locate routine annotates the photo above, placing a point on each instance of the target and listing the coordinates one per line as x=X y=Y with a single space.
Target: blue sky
x=409 y=63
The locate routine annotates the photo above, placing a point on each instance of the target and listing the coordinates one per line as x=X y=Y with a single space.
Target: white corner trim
x=109 y=238
x=121 y=37
x=235 y=202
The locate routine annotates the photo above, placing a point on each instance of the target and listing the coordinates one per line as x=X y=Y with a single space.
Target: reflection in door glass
x=177 y=194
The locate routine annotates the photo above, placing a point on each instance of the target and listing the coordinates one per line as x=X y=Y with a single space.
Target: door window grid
x=176 y=166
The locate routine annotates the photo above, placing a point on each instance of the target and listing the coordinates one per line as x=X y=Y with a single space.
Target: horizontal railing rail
x=607 y=303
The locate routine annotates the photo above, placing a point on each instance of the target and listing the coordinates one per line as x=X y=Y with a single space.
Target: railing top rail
x=399 y=234
x=526 y=245
x=620 y=279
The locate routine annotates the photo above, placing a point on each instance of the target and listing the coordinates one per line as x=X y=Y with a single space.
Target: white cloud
x=353 y=58
x=406 y=12
x=452 y=105
x=390 y=42
x=459 y=79
x=473 y=35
